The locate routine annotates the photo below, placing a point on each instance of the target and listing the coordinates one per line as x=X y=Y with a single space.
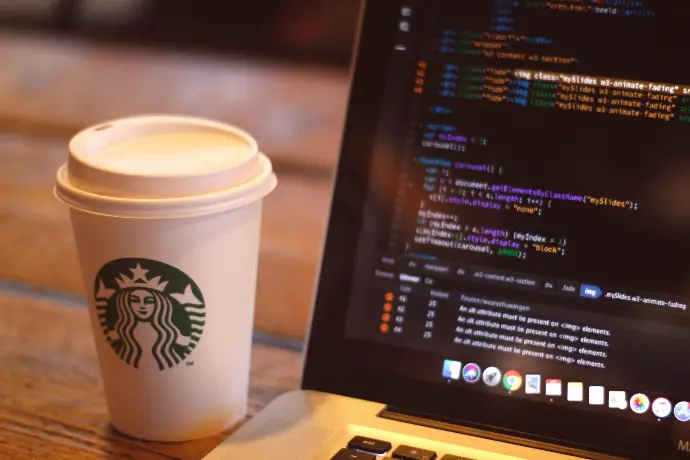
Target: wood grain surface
x=51 y=88
x=58 y=86
x=51 y=401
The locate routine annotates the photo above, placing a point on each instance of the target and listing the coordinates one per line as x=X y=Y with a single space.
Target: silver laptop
x=505 y=272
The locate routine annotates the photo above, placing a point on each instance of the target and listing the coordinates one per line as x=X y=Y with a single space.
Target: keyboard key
x=454 y=457
x=404 y=452
x=369 y=445
x=348 y=454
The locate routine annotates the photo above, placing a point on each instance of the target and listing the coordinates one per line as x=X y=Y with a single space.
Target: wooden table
x=52 y=88
x=51 y=400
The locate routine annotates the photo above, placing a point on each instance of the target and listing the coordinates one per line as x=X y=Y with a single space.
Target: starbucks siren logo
x=151 y=313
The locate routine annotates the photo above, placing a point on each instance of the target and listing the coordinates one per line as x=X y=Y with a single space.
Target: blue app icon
x=682 y=411
x=471 y=373
x=451 y=369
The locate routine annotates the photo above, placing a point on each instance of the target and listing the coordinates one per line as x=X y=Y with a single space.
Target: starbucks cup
x=166 y=214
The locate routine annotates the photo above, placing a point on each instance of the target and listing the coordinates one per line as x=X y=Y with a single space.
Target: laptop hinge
x=406 y=416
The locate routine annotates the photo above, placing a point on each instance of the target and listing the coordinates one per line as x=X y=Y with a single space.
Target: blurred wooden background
x=62 y=71
x=313 y=30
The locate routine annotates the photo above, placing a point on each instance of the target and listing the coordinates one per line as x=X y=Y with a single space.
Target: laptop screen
x=525 y=229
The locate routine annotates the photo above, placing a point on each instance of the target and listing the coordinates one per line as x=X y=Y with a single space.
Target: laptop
x=505 y=271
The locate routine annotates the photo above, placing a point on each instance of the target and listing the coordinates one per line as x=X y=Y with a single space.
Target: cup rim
x=166 y=208
x=78 y=143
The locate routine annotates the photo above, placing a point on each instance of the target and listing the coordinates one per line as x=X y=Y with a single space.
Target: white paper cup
x=166 y=213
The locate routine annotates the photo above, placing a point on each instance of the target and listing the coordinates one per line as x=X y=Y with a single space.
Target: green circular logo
x=152 y=314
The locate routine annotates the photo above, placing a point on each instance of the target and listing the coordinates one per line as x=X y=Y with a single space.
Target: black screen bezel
x=338 y=365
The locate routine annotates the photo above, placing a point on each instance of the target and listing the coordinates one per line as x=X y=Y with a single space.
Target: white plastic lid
x=163 y=167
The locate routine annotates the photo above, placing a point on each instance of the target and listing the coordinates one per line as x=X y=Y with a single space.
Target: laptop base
x=310 y=425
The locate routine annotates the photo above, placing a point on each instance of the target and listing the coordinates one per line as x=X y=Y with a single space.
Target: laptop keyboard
x=361 y=448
